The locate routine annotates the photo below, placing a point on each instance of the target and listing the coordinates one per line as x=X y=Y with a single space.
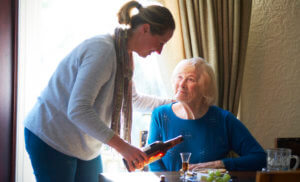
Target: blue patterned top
x=209 y=138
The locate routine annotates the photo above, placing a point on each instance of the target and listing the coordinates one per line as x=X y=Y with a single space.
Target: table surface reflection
x=237 y=176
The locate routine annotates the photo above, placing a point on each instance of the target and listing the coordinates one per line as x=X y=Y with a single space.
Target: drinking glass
x=279 y=159
x=185 y=158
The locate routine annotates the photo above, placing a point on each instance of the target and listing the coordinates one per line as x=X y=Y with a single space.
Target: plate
x=202 y=174
x=207 y=170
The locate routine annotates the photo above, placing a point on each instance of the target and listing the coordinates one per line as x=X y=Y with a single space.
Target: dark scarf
x=123 y=87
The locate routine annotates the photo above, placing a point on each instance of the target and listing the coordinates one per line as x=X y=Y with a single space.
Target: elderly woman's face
x=187 y=84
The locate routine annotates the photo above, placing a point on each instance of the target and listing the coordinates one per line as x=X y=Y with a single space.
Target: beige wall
x=271 y=86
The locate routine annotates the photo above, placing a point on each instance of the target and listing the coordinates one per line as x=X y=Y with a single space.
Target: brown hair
x=158 y=17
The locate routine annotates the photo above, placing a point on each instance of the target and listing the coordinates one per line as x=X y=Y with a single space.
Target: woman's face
x=188 y=84
x=146 y=42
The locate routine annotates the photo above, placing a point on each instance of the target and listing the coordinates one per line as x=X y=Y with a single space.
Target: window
x=48 y=30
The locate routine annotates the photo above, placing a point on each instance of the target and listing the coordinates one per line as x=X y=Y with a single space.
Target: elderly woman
x=210 y=132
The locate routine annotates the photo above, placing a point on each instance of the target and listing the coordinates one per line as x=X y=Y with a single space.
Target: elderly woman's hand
x=214 y=164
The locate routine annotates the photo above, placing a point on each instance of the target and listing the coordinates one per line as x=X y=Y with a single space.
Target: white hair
x=210 y=92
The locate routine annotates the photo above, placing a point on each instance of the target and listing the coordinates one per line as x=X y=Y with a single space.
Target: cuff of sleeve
x=108 y=137
x=229 y=165
x=168 y=101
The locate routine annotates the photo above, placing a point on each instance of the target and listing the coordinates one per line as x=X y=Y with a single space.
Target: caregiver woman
x=80 y=108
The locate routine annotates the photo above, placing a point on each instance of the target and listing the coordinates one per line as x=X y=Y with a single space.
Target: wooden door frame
x=8 y=87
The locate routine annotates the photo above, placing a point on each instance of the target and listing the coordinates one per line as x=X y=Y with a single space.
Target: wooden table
x=278 y=176
x=237 y=176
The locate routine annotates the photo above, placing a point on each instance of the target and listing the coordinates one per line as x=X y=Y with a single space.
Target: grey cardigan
x=73 y=112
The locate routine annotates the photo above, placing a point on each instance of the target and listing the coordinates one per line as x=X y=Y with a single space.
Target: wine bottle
x=158 y=149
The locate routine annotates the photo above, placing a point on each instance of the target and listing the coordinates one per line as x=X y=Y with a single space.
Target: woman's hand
x=135 y=157
x=214 y=164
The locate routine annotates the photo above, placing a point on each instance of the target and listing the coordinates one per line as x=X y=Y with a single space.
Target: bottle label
x=155 y=158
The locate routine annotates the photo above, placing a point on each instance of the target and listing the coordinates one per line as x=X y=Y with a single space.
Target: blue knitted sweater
x=209 y=138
